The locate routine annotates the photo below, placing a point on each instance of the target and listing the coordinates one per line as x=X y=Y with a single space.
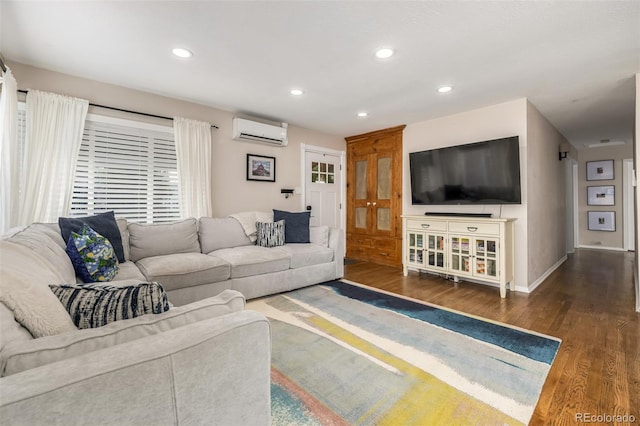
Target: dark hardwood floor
x=588 y=302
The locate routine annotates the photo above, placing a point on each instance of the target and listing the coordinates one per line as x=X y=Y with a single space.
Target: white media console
x=471 y=247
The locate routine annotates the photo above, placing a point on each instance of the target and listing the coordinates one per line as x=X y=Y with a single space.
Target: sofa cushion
x=103 y=223
x=184 y=269
x=149 y=240
x=96 y=305
x=319 y=235
x=270 y=234
x=92 y=256
x=296 y=225
x=215 y=234
x=129 y=271
x=24 y=280
x=253 y=260
x=23 y=355
x=124 y=234
x=307 y=254
x=47 y=243
x=10 y=329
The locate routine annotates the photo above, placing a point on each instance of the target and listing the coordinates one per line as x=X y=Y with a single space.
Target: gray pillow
x=270 y=234
x=149 y=240
x=215 y=234
x=95 y=305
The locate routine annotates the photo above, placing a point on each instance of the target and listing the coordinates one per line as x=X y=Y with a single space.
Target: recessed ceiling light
x=445 y=89
x=296 y=92
x=384 y=53
x=182 y=53
x=363 y=114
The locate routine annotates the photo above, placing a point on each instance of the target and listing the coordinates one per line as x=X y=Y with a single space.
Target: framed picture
x=600 y=170
x=601 y=195
x=601 y=221
x=261 y=168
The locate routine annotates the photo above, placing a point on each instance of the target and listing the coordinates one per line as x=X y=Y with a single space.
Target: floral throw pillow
x=92 y=256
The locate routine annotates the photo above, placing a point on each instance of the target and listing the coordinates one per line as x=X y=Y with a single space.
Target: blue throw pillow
x=296 y=225
x=92 y=256
x=103 y=223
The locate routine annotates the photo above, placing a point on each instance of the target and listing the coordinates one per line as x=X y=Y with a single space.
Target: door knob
x=308 y=207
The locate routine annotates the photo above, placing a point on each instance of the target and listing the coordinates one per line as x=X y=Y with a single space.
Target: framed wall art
x=601 y=221
x=600 y=170
x=601 y=195
x=261 y=168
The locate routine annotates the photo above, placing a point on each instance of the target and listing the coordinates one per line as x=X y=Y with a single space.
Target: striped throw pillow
x=95 y=305
x=270 y=234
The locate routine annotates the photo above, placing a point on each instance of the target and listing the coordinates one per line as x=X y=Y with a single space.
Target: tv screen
x=478 y=173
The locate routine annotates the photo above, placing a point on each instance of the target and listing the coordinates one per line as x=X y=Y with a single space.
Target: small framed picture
x=601 y=195
x=601 y=221
x=600 y=170
x=261 y=168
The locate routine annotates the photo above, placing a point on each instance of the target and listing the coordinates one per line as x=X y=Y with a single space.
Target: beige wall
x=546 y=196
x=496 y=121
x=231 y=191
x=602 y=239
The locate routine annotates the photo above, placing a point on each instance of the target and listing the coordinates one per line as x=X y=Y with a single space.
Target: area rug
x=348 y=354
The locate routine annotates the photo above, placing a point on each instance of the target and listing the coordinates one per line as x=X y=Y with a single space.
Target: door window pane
x=361 y=180
x=384 y=178
x=384 y=219
x=361 y=217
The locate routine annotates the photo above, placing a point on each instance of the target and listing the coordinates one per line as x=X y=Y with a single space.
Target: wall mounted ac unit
x=253 y=131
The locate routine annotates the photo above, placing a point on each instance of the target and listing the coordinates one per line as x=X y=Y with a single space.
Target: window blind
x=129 y=169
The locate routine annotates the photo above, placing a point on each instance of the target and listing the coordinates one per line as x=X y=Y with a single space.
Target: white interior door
x=323 y=188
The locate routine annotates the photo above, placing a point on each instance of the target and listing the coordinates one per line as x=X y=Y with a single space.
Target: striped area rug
x=345 y=354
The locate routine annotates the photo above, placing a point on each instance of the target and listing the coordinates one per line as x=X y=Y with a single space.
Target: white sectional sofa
x=204 y=361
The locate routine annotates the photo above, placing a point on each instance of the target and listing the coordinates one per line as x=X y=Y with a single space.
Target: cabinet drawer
x=474 y=228
x=356 y=240
x=383 y=244
x=426 y=225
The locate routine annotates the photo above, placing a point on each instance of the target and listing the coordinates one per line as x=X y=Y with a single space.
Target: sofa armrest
x=23 y=355
x=213 y=371
x=336 y=243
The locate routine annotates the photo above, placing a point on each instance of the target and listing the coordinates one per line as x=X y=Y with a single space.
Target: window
x=128 y=167
x=322 y=172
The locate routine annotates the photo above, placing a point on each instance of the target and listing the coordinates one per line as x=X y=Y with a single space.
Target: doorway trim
x=628 y=219
x=304 y=148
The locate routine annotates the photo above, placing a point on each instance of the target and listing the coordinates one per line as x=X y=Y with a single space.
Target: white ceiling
x=574 y=60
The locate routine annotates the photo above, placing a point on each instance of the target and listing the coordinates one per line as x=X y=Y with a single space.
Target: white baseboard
x=601 y=247
x=544 y=276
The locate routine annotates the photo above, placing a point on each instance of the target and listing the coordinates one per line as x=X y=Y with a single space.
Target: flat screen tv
x=478 y=173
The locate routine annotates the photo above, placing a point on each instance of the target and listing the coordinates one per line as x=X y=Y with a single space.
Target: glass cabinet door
x=416 y=248
x=361 y=209
x=486 y=256
x=460 y=254
x=435 y=251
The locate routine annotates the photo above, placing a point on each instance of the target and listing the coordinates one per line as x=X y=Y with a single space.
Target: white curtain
x=9 y=184
x=55 y=124
x=193 y=151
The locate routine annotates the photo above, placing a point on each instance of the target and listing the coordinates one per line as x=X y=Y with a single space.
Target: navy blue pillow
x=296 y=225
x=104 y=224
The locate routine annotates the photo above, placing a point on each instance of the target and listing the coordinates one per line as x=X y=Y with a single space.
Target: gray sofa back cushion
x=161 y=239
x=217 y=234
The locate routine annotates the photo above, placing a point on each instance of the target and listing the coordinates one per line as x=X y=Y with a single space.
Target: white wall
x=231 y=191
x=602 y=239
x=496 y=121
x=546 y=199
